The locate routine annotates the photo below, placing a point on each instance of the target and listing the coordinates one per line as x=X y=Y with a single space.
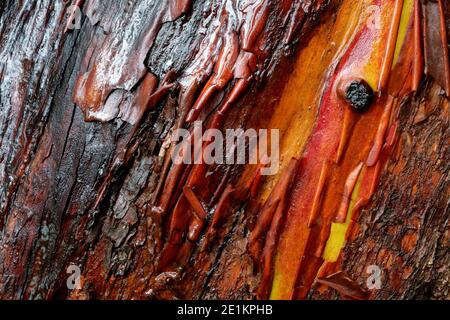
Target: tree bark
x=85 y=174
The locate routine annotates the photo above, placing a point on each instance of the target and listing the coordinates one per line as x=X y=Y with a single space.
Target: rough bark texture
x=80 y=182
x=405 y=231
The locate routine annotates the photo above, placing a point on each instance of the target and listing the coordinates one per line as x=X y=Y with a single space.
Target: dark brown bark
x=405 y=231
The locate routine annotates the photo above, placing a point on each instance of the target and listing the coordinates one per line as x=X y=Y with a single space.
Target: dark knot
x=360 y=95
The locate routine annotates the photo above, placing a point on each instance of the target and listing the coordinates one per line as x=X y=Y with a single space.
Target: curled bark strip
x=195 y=203
x=381 y=133
x=238 y=90
x=269 y=226
x=350 y=184
x=176 y=237
x=348 y=287
x=269 y=251
x=350 y=119
x=367 y=189
x=390 y=48
x=278 y=195
x=437 y=62
x=170 y=186
x=195 y=229
x=223 y=185
x=418 y=43
x=222 y=206
x=305 y=278
x=174 y=172
x=318 y=196
x=391 y=135
x=262 y=226
x=252 y=185
x=444 y=41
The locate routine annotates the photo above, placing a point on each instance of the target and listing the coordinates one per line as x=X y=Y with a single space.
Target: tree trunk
x=91 y=93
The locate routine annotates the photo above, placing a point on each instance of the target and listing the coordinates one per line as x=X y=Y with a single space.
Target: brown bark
x=405 y=230
x=76 y=190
